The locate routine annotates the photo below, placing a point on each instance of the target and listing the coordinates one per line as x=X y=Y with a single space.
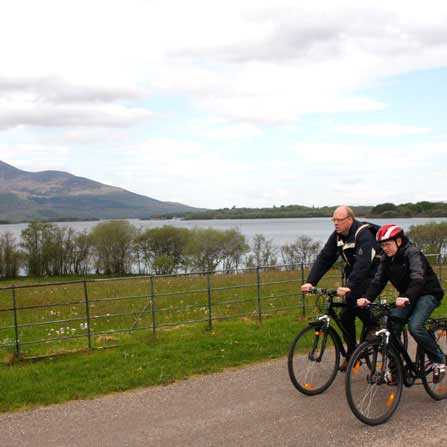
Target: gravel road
x=251 y=406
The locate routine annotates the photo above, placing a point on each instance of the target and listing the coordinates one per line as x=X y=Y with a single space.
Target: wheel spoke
x=313 y=361
x=371 y=395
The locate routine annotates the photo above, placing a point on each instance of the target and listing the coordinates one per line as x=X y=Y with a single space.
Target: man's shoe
x=438 y=372
x=344 y=365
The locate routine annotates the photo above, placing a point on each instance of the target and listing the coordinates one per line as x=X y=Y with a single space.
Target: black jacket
x=409 y=272
x=359 y=257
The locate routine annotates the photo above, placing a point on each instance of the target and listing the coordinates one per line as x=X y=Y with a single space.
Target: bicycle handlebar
x=319 y=290
x=382 y=305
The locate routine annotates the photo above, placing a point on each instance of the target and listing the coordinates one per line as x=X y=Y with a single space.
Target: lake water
x=280 y=231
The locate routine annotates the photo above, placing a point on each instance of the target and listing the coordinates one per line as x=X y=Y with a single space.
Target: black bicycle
x=314 y=356
x=380 y=367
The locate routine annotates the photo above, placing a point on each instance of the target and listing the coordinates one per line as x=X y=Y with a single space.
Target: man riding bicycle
x=419 y=289
x=357 y=247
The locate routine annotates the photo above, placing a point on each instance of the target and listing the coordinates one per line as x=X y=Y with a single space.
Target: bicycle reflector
x=390 y=400
x=356 y=368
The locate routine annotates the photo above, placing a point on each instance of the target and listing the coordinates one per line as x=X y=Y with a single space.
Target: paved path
x=251 y=406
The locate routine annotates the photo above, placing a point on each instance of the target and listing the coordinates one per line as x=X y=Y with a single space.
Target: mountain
x=57 y=195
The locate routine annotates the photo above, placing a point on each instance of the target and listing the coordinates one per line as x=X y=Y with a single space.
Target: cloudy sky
x=215 y=104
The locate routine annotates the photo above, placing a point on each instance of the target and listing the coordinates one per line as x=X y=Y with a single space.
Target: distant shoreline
x=167 y=220
x=382 y=211
x=310 y=217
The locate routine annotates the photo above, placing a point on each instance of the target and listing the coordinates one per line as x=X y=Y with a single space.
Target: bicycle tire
x=437 y=391
x=310 y=373
x=372 y=401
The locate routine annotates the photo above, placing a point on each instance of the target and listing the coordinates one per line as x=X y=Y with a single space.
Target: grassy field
x=177 y=351
x=52 y=317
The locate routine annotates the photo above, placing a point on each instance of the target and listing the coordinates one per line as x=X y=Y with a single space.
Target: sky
x=238 y=103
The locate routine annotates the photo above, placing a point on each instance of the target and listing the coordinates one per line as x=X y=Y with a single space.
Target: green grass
x=177 y=352
x=124 y=304
x=173 y=355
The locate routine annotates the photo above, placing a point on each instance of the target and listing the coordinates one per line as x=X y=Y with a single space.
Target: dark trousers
x=417 y=314
x=347 y=317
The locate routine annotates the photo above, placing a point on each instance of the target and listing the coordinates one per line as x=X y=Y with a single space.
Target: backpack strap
x=343 y=246
x=360 y=229
x=375 y=256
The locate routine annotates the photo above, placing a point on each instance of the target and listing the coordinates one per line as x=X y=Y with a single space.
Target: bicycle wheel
x=373 y=394
x=437 y=391
x=404 y=338
x=313 y=360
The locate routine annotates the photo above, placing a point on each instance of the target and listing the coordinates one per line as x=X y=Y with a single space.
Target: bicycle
x=314 y=356
x=379 y=368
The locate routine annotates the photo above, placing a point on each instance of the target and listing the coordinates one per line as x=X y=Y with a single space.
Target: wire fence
x=46 y=319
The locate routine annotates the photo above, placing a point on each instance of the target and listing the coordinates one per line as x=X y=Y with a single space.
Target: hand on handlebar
x=402 y=301
x=307 y=287
x=343 y=291
x=363 y=302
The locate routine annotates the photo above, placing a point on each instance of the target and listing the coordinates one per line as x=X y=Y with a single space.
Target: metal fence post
x=303 y=302
x=210 y=317
x=154 y=324
x=258 y=284
x=440 y=267
x=16 y=328
x=87 y=315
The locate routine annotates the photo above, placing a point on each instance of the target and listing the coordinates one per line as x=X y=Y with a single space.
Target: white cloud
x=281 y=59
x=230 y=132
x=56 y=90
x=382 y=130
x=77 y=75
x=314 y=173
x=36 y=157
x=22 y=110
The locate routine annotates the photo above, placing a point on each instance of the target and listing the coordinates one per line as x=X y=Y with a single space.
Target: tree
x=430 y=237
x=37 y=246
x=303 y=250
x=50 y=250
x=10 y=256
x=234 y=247
x=113 y=243
x=59 y=250
x=206 y=249
x=163 y=250
x=383 y=207
x=264 y=252
x=82 y=253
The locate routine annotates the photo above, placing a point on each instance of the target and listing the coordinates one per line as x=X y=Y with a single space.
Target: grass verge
x=172 y=355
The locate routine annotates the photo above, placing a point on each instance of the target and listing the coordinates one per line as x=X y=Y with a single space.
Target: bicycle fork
x=320 y=330
x=380 y=372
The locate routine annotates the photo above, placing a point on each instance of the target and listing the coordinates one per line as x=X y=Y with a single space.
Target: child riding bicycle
x=419 y=289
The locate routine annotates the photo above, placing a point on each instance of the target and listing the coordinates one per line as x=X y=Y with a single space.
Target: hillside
x=57 y=195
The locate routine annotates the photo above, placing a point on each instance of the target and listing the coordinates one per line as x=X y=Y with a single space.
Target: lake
x=280 y=231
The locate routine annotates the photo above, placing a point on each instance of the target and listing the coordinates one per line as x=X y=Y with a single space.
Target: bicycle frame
x=412 y=369
x=323 y=322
